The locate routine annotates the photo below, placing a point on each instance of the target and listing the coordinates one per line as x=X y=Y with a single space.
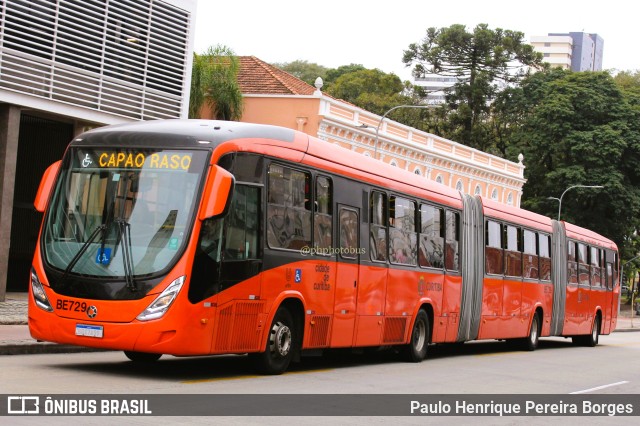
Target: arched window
x=417 y=171
x=478 y=190
x=494 y=194
x=393 y=163
x=510 y=199
x=459 y=186
x=366 y=154
x=439 y=178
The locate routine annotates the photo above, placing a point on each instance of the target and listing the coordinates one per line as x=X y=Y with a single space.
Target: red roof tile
x=258 y=77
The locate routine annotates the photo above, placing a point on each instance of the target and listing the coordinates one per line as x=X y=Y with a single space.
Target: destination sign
x=138 y=160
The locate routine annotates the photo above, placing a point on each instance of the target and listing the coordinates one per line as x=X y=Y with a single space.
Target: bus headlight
x=39 y=296
x=161 y=304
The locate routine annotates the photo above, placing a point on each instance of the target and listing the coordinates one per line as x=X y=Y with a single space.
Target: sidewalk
x=15 y=338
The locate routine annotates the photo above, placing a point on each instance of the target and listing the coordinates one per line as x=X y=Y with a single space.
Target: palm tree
x=214 y=81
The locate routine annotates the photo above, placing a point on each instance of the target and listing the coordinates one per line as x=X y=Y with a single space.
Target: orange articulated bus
x=192 y=237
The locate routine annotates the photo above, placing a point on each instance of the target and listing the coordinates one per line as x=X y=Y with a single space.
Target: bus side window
x=431 y=252
x=323 y=215
x=402 y=231
x=494 y=261
x=572 y=264
x=452 y=240
x=530 y=262
x=583 y=264
x=596 y=279
x=378 y=227
x=544 y=249
x=513 y=253
x=289 y=208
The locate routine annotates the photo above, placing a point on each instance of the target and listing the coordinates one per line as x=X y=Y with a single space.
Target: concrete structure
x=436 y=86
x=66 y=66
x=273 y=96
x=576 y=51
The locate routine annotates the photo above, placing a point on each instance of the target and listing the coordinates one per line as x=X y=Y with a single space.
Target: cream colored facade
x=436 y=158
x=555 y=49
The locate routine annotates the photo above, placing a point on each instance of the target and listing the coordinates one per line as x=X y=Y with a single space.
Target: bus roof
x=515 y=215
x=582 y=234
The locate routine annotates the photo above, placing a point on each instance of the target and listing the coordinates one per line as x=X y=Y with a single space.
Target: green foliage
x=481 y=61
x=372 y=90
x=578 y=128
x=214 y=80
x=304 y=70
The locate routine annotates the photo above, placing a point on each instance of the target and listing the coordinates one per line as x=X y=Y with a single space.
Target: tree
x=481 y=61
x=372 y=90
x=214 y=81
x=304 y=70
x=579 y=128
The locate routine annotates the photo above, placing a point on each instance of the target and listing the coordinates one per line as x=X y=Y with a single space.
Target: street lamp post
x=375 y=149
x=565 y=191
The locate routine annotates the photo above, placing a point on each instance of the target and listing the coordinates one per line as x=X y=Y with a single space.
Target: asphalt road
x=556 y=367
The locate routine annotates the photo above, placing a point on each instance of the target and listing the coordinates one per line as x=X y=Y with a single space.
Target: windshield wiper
x=82 y=250
x=124 y=228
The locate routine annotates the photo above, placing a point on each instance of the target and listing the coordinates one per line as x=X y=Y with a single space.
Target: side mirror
x=46 y=184
x=217 y=193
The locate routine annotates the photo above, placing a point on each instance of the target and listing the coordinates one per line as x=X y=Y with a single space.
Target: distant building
x=436 y=87
x=576 y=51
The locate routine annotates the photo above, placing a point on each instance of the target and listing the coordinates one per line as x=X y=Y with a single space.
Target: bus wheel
x=592 y=339
x=279 y=351
x=142 y=357
x=416 y=350
x=531 y=342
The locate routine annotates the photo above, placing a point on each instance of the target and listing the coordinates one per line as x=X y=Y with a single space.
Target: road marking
x=600 y=387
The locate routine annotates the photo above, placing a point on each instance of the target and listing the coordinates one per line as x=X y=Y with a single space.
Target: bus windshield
x=122 y=213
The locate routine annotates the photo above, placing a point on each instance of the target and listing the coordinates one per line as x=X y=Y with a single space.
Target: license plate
x=89 y=330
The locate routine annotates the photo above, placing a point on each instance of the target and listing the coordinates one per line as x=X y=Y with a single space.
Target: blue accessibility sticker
x=103 y=257
x=298 y=276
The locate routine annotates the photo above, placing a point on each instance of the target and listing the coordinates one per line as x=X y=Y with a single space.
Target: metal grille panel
x=123 y=57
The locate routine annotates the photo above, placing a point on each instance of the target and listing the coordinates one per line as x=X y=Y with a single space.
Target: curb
x=32 y=347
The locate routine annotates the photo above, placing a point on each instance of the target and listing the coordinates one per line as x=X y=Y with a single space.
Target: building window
x=418 y=172
x=478 y=190
x=459 y=186
x=439 y=178
x=510 y=199
x=494 y=194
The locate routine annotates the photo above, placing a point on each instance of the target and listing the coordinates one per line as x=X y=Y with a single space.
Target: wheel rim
x=420 y=336
x=534 y=331
x=280 y=341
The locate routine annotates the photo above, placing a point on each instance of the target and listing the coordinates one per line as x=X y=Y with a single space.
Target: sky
x=375 y=33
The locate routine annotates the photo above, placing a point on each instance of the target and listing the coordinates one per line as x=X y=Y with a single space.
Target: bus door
x=347 y=277
x=240 y=255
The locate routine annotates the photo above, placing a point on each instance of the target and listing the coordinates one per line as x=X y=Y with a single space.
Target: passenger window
x=378 y=226
x=452 y=240
x=583 y=264
x=513 y=253
x=596 y=270
x=431 y=253
x=494 y=263
x=544 y=248
x=323 y=218
x=403 y=239
x=530 y=260
x=289 y=208
x=572 y=266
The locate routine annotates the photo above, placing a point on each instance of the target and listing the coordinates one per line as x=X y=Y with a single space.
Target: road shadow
x=220 y=367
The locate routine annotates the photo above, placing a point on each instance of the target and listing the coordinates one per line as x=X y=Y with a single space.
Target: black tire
x=142 y=357
x=591 y=339
x=416 y=350
x=530 y=343
x=280 y=345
